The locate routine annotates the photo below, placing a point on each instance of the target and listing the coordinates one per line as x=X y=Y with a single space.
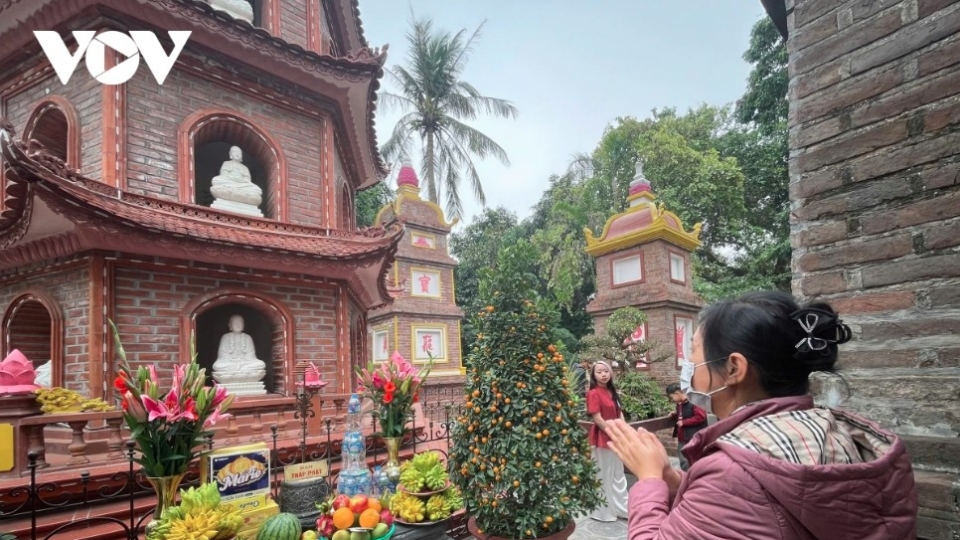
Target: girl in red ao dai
x=603 y=404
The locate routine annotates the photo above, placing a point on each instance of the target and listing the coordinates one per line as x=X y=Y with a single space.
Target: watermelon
x=285 y=526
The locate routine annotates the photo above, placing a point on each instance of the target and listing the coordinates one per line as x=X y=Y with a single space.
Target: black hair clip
x=815 y=321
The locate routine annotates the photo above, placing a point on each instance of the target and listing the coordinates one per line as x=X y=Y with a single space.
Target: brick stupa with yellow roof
x=424 y=317
x=643 y=260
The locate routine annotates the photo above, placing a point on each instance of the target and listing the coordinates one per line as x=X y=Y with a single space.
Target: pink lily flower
x=214 y=417
x=219 y=395
x=155 y=409
x=189 y=411
x=134 y=407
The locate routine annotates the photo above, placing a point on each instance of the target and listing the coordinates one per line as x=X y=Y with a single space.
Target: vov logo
x=93 y=48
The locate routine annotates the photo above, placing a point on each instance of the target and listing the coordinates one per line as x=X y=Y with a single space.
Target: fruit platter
x=425 y=495
x=353 y=518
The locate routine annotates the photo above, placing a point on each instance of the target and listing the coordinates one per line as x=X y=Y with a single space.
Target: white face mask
x=704 y=400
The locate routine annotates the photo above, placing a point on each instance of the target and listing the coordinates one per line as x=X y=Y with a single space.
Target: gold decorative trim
x=659 y=229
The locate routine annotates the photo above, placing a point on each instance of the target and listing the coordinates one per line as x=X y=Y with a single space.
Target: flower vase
x=392 y=467
x=166 y=488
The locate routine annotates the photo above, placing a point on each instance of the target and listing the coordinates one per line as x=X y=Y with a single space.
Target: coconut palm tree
x=436 y=103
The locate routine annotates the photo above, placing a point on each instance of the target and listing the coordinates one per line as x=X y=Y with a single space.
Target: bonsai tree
x=640 y=396
x=519 y=457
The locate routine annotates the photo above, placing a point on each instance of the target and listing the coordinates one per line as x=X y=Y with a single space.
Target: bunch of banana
x=56 y=400
x=199 y=516
x=407 y=507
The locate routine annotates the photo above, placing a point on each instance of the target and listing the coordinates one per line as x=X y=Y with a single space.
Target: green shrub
x=641 y=397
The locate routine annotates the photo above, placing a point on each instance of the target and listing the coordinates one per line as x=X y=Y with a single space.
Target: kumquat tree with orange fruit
x=520 y=457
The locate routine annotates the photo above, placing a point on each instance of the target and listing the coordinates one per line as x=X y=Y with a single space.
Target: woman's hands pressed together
x=639 y=450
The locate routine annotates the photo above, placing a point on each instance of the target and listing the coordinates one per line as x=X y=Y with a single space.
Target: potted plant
x=520 y=458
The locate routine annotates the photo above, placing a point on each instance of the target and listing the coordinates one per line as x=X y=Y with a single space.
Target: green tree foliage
x=369 y=201
x=765 y=101
x=723 y=167
x=476 y=247
x=519 y=456
x=641 y=397
x=437 y=102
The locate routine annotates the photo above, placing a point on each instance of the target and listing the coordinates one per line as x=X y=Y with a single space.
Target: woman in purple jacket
x=774 y=466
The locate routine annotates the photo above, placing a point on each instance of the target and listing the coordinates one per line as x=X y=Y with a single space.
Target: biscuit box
x=242 y=473
x=254 y=519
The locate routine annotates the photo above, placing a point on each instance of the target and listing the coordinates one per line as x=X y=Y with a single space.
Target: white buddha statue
x=233 y=188
x=237 y=366
x=44 y=375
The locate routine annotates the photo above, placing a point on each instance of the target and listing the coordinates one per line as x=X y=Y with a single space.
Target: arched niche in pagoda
x=347 y=209
x=268 y=322
x=54 y=123
x=33 y=323
x=204 y=141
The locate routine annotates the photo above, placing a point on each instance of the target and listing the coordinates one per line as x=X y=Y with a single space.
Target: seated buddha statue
x=237 y=362
x=234 y=182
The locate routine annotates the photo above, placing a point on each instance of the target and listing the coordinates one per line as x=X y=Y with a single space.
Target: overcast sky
x=573 y=66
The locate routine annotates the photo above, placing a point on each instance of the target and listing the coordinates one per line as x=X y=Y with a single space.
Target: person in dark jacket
x=690 y=419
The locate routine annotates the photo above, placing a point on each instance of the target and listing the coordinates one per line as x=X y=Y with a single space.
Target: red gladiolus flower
x=120 y=383
x=416 y=397
x=388 y=398
x=389 y=387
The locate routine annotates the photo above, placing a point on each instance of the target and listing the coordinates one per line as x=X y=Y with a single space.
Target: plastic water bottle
x=354 y=474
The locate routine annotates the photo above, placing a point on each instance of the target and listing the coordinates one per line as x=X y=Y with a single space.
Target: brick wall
x=84 y=93
x=148 y=305
x=875 y=189
x=293 y=22
x=875 y=184
x=657 y=285
x=156 y=112
x=69 y=288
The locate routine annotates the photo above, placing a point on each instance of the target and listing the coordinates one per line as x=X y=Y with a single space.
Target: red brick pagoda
x=424 y=320
x=110 y=209
x=643 y=260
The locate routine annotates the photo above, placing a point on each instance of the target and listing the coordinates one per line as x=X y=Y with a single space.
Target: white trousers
x=614 y=485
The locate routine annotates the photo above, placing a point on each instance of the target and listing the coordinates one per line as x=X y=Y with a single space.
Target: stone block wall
x=875 y=191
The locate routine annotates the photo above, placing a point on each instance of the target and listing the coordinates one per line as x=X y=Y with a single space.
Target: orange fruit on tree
x=369 y=518
x=343 y=518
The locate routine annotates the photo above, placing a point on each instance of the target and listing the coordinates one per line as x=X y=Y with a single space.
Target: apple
x=358 y=503
x=342 y=534
x=360 y=535
x=386 y=517
x=309 y=535
x=340 y=501
x=380 y=530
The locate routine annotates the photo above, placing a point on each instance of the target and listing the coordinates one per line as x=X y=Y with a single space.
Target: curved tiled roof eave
x=664 y=225
x=167 y=217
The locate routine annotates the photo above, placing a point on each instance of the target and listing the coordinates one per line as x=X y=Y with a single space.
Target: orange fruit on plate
x=369 y=518
x=343 y=518
x=375 y=505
